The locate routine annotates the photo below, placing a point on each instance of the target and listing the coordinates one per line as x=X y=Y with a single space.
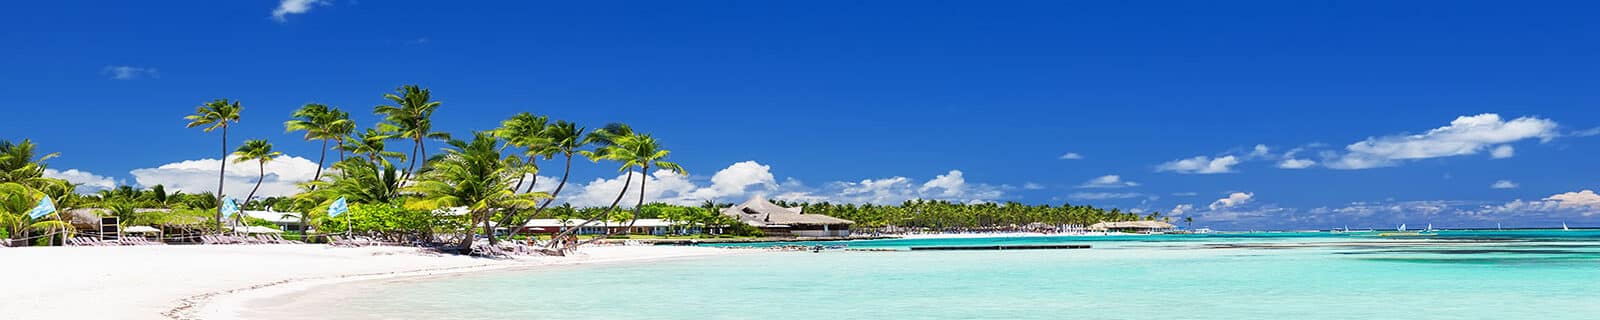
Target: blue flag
x=45 y=207
x=338 y=207
x=229 y=207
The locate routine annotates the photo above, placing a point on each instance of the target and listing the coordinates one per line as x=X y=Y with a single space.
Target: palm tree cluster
x=953 y=216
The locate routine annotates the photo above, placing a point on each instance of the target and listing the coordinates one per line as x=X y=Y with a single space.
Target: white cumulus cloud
x=1071 y=156
x=1504 y=184
x=1296 y=163
x=1108 y=181
x=1585 y=199
x=1502 y=152
x=197 y=176
x=1465 y=135
x=288 y=7
x=1200 y=165
x=87 y=182
x=1233 y=200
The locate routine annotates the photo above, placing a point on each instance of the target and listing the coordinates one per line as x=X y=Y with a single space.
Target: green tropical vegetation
x=463 y=193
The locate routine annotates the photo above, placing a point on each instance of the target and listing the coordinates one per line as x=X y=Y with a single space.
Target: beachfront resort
x=778 y=160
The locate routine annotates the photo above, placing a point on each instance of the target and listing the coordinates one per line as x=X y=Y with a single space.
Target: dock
x=1002 y=247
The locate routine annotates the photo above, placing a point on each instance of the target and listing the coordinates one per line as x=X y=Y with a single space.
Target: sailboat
x=1401 y=232
x=1564 y=227
x=1429 y=229
x=1402 y=228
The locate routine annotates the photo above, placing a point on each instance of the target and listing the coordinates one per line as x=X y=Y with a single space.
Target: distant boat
x=1402 y=227
x=1497 y=227
x=1564 y=227
x=1429 y=229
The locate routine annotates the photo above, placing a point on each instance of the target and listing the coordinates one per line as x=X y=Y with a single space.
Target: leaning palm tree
x=261 y=152
x=644 y=152
x=19 y=163
x=411 y=117
x=564 y=138
x=320 y=123
x=213 y=115
x=607 y=142
x=524 y=130
x=473 y=174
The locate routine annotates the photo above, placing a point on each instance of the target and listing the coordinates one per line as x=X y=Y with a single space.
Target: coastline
x=217 y=282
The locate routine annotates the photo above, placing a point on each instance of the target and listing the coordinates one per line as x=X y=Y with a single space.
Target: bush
x=389 y=220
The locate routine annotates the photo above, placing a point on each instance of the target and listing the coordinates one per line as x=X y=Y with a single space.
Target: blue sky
x=1395 y=111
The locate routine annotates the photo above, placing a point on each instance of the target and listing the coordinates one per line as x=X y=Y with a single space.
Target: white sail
x=1564 y=227
x=1402 y=227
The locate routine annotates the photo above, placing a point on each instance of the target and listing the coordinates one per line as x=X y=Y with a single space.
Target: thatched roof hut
x=776 y=220
x=760 y=212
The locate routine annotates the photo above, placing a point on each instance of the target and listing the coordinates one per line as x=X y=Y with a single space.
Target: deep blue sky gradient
x=844 y=91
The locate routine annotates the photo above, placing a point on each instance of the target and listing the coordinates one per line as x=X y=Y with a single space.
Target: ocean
x=1547 y=274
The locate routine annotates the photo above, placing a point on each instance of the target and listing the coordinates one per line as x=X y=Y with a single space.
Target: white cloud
x=87 y=182
x=743 y=180
x=1185 y=194
x=130 y=72
x=197 y=176
x=950 y=184
x=1585 y=199
x=288 y=7
x=1260 y=151
x=1296 y=163
x=1233 y=200
x=1200 y=165
x=1071 y=156
x=1465 y=136
x=1032 y=186
x=1502 y=152
x=1586 y=132
x=1181 y=209
x=1104 y=195
x=1108 y=181
x=1504 y=184
x=737 y=180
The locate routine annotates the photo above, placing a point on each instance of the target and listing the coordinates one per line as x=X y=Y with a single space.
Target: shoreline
x=231 y=304
x=217 y=281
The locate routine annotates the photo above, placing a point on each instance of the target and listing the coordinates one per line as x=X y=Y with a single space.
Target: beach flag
x=229 y=207
x=338 y=207
x=45 y=207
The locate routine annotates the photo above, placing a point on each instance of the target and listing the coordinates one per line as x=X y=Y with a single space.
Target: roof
x=556 y=223
x=760 y=212
x=140 y=229
x=1132 y=225
x=84 y=216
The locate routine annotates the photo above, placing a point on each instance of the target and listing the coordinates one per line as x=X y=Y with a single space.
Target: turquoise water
x=1455 y=275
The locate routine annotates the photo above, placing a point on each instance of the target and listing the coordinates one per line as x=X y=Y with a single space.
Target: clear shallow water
x=1456 y=275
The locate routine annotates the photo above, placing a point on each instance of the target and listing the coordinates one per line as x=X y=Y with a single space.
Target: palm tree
x=360 y=182
x=20 y=164
x=213 y=115
x=564 y=138
x=15 y=201
x=320 y=123
x=644 y=152
x=1188 y=222
x=474 y=175
x=260 y=151
x=371 y=144
x=524 y=130
x=605 y=142
x=411 y=117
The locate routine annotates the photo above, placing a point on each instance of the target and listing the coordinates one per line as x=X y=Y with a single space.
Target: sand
x=215 y=282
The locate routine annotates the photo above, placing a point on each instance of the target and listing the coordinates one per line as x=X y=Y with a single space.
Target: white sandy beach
x=213 y=282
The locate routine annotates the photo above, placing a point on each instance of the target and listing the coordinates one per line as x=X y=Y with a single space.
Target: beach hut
x=284 y=220
x=1133 y=226
x=779 y=221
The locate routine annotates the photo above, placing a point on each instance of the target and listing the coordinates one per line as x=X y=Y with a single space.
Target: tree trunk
x=489 y=231
x=221 y=173
x=466 y=243
x=341 y=149
x=640 y=205
x=320 y=160
x=262 y=167
x=602 y=215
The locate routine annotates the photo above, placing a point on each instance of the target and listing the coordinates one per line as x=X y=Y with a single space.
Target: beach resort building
x=1133 y=226
x=778 y=221
x=286 y=221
